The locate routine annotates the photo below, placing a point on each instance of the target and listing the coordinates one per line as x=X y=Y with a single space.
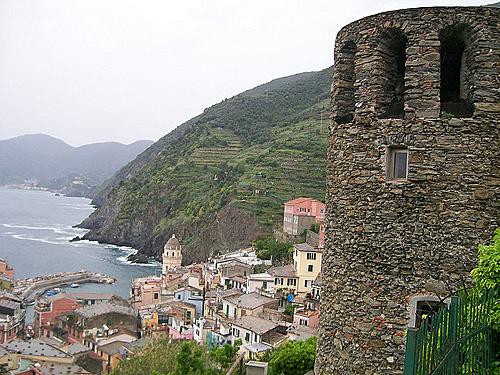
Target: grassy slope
x=255 y=151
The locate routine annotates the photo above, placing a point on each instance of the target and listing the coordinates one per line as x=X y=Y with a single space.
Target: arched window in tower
x=343 y=80
x=456 y=72
x=392 y=49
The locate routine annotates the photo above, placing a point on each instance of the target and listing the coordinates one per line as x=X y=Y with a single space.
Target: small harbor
x=28 y=289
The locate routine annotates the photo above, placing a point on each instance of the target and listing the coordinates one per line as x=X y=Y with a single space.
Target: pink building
x=300 y=213
x=308 y=318
x=146 y=291
x=181 y=333
x=321 y=234
x=6 y=269
x=47 y=309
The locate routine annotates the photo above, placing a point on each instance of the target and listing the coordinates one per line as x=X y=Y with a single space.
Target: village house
x=93 y=323
x=300 y=214
x=37 y=350
x=6 y=269
x=248 y=256
x=180 y=320
x=246 y=304
x=41 y=357
x=192 y=296
x=313 y=298
x=306 y=317
x=260 y=282
x=194 y=275
x=6 y=276
x=6 y=283
x=201 y=328
x=214 y=298
x=53 y=369
x=146 y=291
x=47 y=309
x=307 y=262
x=256 y=334
x=125 y=350
x=153 y=321
x=220 y=334
x=108 y=349
x=239 y=282
x=12 y=316
x=233 y=267
x=285 y=278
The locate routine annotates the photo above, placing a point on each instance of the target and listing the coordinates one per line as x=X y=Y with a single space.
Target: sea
x=35 y=229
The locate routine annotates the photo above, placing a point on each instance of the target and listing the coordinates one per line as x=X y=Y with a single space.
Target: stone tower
x=172 y=255
x=413 y=182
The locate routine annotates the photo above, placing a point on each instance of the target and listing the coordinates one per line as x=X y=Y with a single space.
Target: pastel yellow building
x=172 y=255
x=307 y=262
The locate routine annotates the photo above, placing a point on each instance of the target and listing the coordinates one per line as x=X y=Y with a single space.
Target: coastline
x=35 y=229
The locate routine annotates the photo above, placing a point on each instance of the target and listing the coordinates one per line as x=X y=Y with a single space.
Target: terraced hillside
x=219 y=180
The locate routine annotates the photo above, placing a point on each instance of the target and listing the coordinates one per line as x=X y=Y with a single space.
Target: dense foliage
x=271 y=248
x=487 y=275
x=293 y=358
x=161 y=357
x=253 y=151
x=487 y=272
x=225 y=355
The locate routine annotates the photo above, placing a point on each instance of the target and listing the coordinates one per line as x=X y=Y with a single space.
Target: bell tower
x=172 y=255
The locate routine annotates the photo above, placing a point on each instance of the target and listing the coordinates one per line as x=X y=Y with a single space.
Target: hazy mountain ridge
x=50 y=162
x=219 y=180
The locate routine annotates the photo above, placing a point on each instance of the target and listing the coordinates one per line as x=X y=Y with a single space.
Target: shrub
x=487 y=272
x=293 y=358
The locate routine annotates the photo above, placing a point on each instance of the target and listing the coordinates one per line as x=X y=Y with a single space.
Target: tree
x=190 y=359
x=225 y=355
x=293 y=358
x=290 y=309
x=271 y=247
x=487 y=273
x=315 y=227
x=160 y=357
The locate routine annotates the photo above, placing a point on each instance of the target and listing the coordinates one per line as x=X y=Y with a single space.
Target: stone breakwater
x=28 y=289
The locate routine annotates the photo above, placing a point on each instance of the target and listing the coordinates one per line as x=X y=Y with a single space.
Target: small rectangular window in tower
x=397 y=163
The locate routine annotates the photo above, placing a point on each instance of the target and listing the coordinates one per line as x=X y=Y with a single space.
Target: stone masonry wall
x=388 y=241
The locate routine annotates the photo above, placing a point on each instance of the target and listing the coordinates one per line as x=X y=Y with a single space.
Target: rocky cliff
x=219 y=180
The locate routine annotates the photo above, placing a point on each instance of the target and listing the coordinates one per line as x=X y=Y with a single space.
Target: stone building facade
x=413 y=180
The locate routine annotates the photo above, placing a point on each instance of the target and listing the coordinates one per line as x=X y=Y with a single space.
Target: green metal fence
x=455 y=340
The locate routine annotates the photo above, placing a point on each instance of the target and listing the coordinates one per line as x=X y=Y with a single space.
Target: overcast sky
x=91 y=71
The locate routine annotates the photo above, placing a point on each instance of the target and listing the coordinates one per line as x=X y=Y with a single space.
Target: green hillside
x=223 y=180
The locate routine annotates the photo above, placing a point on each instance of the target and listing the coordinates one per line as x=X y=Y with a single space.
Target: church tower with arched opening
x=172 y=255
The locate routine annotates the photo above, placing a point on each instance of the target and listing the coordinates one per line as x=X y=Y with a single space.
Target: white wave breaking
x=43 y=240
x=57 y=230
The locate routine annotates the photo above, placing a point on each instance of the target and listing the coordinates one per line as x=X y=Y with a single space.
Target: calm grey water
x=35 y=228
